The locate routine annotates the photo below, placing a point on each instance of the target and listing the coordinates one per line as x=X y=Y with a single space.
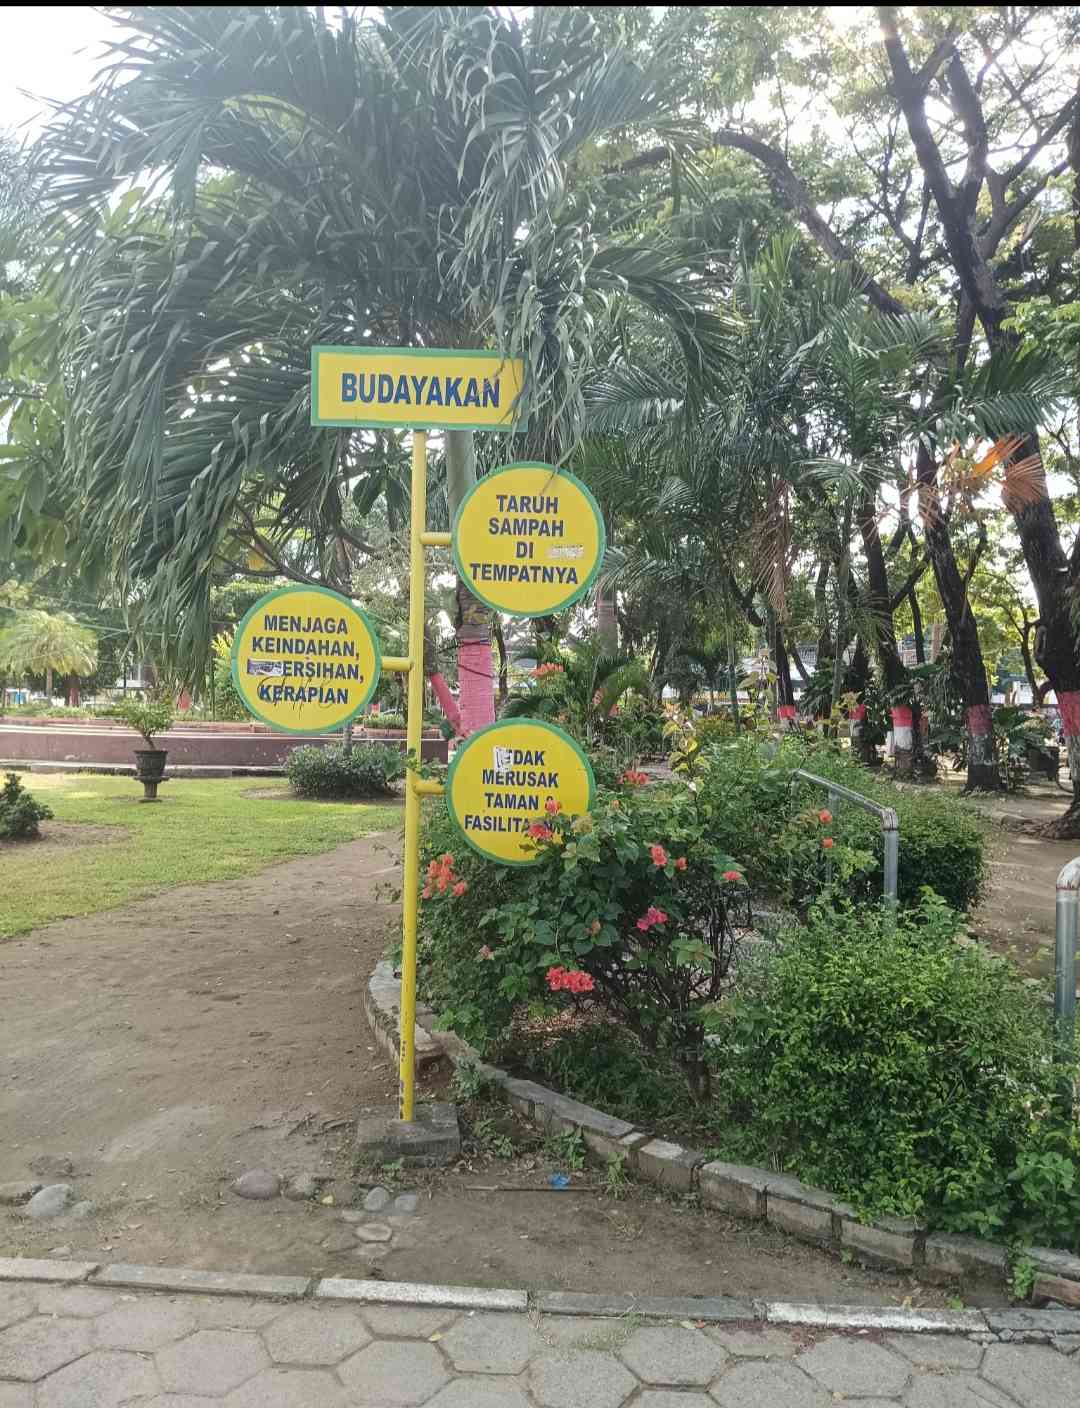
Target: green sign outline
x=509 y=724
x=582 y=587
x=515 y=428
x=334 y=596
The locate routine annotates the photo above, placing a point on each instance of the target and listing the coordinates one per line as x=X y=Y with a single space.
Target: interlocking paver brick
x=585 y=1378
x=14 y=1306
x=768 y=1382
x=392 y=1373
x=211 y=1361
x=938 y=1351
x=230 y=1312
x=16 y=1396
x=143 y=1325
x=673 y=1355
x=402 y=1322
x=956 y=1390
x=315 y=1335
x=668 y=1398
x=33 y=1348
x=1035 y=1375
x=856 y=1368
x=290 y=1388
x=754 y=1342
x=475 y=1392
x=74 y=1300
x=491 y=1344
x=104 y=1379
x=584 y=1331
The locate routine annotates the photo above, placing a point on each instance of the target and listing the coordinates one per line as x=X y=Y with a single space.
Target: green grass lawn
x=199 y=832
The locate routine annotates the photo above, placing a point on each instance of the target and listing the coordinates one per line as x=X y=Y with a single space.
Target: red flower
x=569 y=980
x=659 y=855
x=634 y=779
x=426 y=892
x=447 y=859
x=731 y=875
x=828 y=843
x=824 y=817
x=459 y=889
x=539 y=832
x=551 y=806
x=442 y=883
x=680 y=864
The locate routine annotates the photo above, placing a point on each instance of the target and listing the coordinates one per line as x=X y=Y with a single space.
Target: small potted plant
x=148 y=717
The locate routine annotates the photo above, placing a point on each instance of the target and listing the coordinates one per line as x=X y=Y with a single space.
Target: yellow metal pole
x=414 y=736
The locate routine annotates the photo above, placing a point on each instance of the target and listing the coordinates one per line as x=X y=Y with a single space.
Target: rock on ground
x=257 y=1183
x=50 y=1201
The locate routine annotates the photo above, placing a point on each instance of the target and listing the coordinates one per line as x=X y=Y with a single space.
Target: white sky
x=50 y=51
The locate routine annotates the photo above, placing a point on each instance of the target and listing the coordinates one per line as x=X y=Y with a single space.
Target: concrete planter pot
x=150 y=770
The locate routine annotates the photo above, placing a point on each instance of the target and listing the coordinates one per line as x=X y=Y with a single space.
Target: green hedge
x=368 y=770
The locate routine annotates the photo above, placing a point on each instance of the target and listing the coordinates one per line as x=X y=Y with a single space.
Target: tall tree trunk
x=785 y=695
x=472 y=622
x=880 y=603
x=73 y=692
x=968 y=668
x=607 y=625
x=48 y=685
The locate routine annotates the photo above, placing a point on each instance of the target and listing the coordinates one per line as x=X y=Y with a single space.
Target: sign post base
x=430 y=1139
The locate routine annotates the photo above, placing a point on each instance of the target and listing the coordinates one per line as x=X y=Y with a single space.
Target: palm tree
x=38 y=643
x=392 y=177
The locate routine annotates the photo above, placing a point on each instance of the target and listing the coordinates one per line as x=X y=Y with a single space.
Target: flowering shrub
x=635 y=905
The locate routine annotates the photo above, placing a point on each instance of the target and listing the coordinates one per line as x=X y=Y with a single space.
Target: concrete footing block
x=408 y=1293
x=27 y=1268
x=432 y=1138
x=948 y=1258
x=891 y=1241
x=735 y=1188
x=670 y=1165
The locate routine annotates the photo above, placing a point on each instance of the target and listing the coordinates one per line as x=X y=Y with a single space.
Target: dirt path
x=167 y=1046
x=1016 y=916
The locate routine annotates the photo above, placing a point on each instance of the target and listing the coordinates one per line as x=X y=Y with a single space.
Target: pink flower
x=731 y=875
x=539 y=832
x=446 y=859
x=824 y=817
x=594 y=927
x=680 y=864
x=459 y=889
x=442 y=883
x=580 y=982
x=651 y=917
x=551 y=806
x=828 y=843
x=569 y=980
x=485 y=952
x=659 y=855
x=634 y=779
x=426 y=892
x=555 y=978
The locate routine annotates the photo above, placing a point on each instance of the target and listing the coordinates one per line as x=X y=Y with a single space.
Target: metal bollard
x=1066 y=923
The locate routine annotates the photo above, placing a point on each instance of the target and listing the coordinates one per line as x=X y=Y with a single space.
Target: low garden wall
x=214 y=745
x=809 y=1214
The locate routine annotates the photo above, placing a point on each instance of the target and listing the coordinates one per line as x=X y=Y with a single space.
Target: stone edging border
x=1015 y=1325
x=810 y=1214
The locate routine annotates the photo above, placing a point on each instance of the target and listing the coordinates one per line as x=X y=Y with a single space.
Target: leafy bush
x=20 y=811
x=635 y=902
x=457 y=975
x=906 y=1070
x=367 y=770
x=228 y=703
x=758 y=810
x=147 y=716
x=385 y=719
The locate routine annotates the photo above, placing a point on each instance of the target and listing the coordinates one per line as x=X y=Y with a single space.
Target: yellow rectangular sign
x=425 y=388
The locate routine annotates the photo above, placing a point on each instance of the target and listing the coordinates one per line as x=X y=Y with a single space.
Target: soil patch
x=168 y=1045
x=70 y=833
x=285 y=794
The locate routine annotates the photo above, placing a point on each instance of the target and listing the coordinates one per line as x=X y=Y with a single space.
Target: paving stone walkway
x=83 y=1346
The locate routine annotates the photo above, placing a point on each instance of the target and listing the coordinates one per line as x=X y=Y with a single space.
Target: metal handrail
x=890 y=830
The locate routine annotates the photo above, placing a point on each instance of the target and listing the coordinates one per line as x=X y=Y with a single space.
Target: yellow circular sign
x=305 y=660
x=528 y=539
x=503 y=778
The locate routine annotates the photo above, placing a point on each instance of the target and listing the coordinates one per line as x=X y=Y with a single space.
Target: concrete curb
x=1013 y=1325
x=809 y=1214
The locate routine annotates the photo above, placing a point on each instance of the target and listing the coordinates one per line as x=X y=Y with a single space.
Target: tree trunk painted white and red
x=903 y=740
x=1069 y=708
x=982 y=768
x=447 y=702
x=788 y=715
x=73 y=692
